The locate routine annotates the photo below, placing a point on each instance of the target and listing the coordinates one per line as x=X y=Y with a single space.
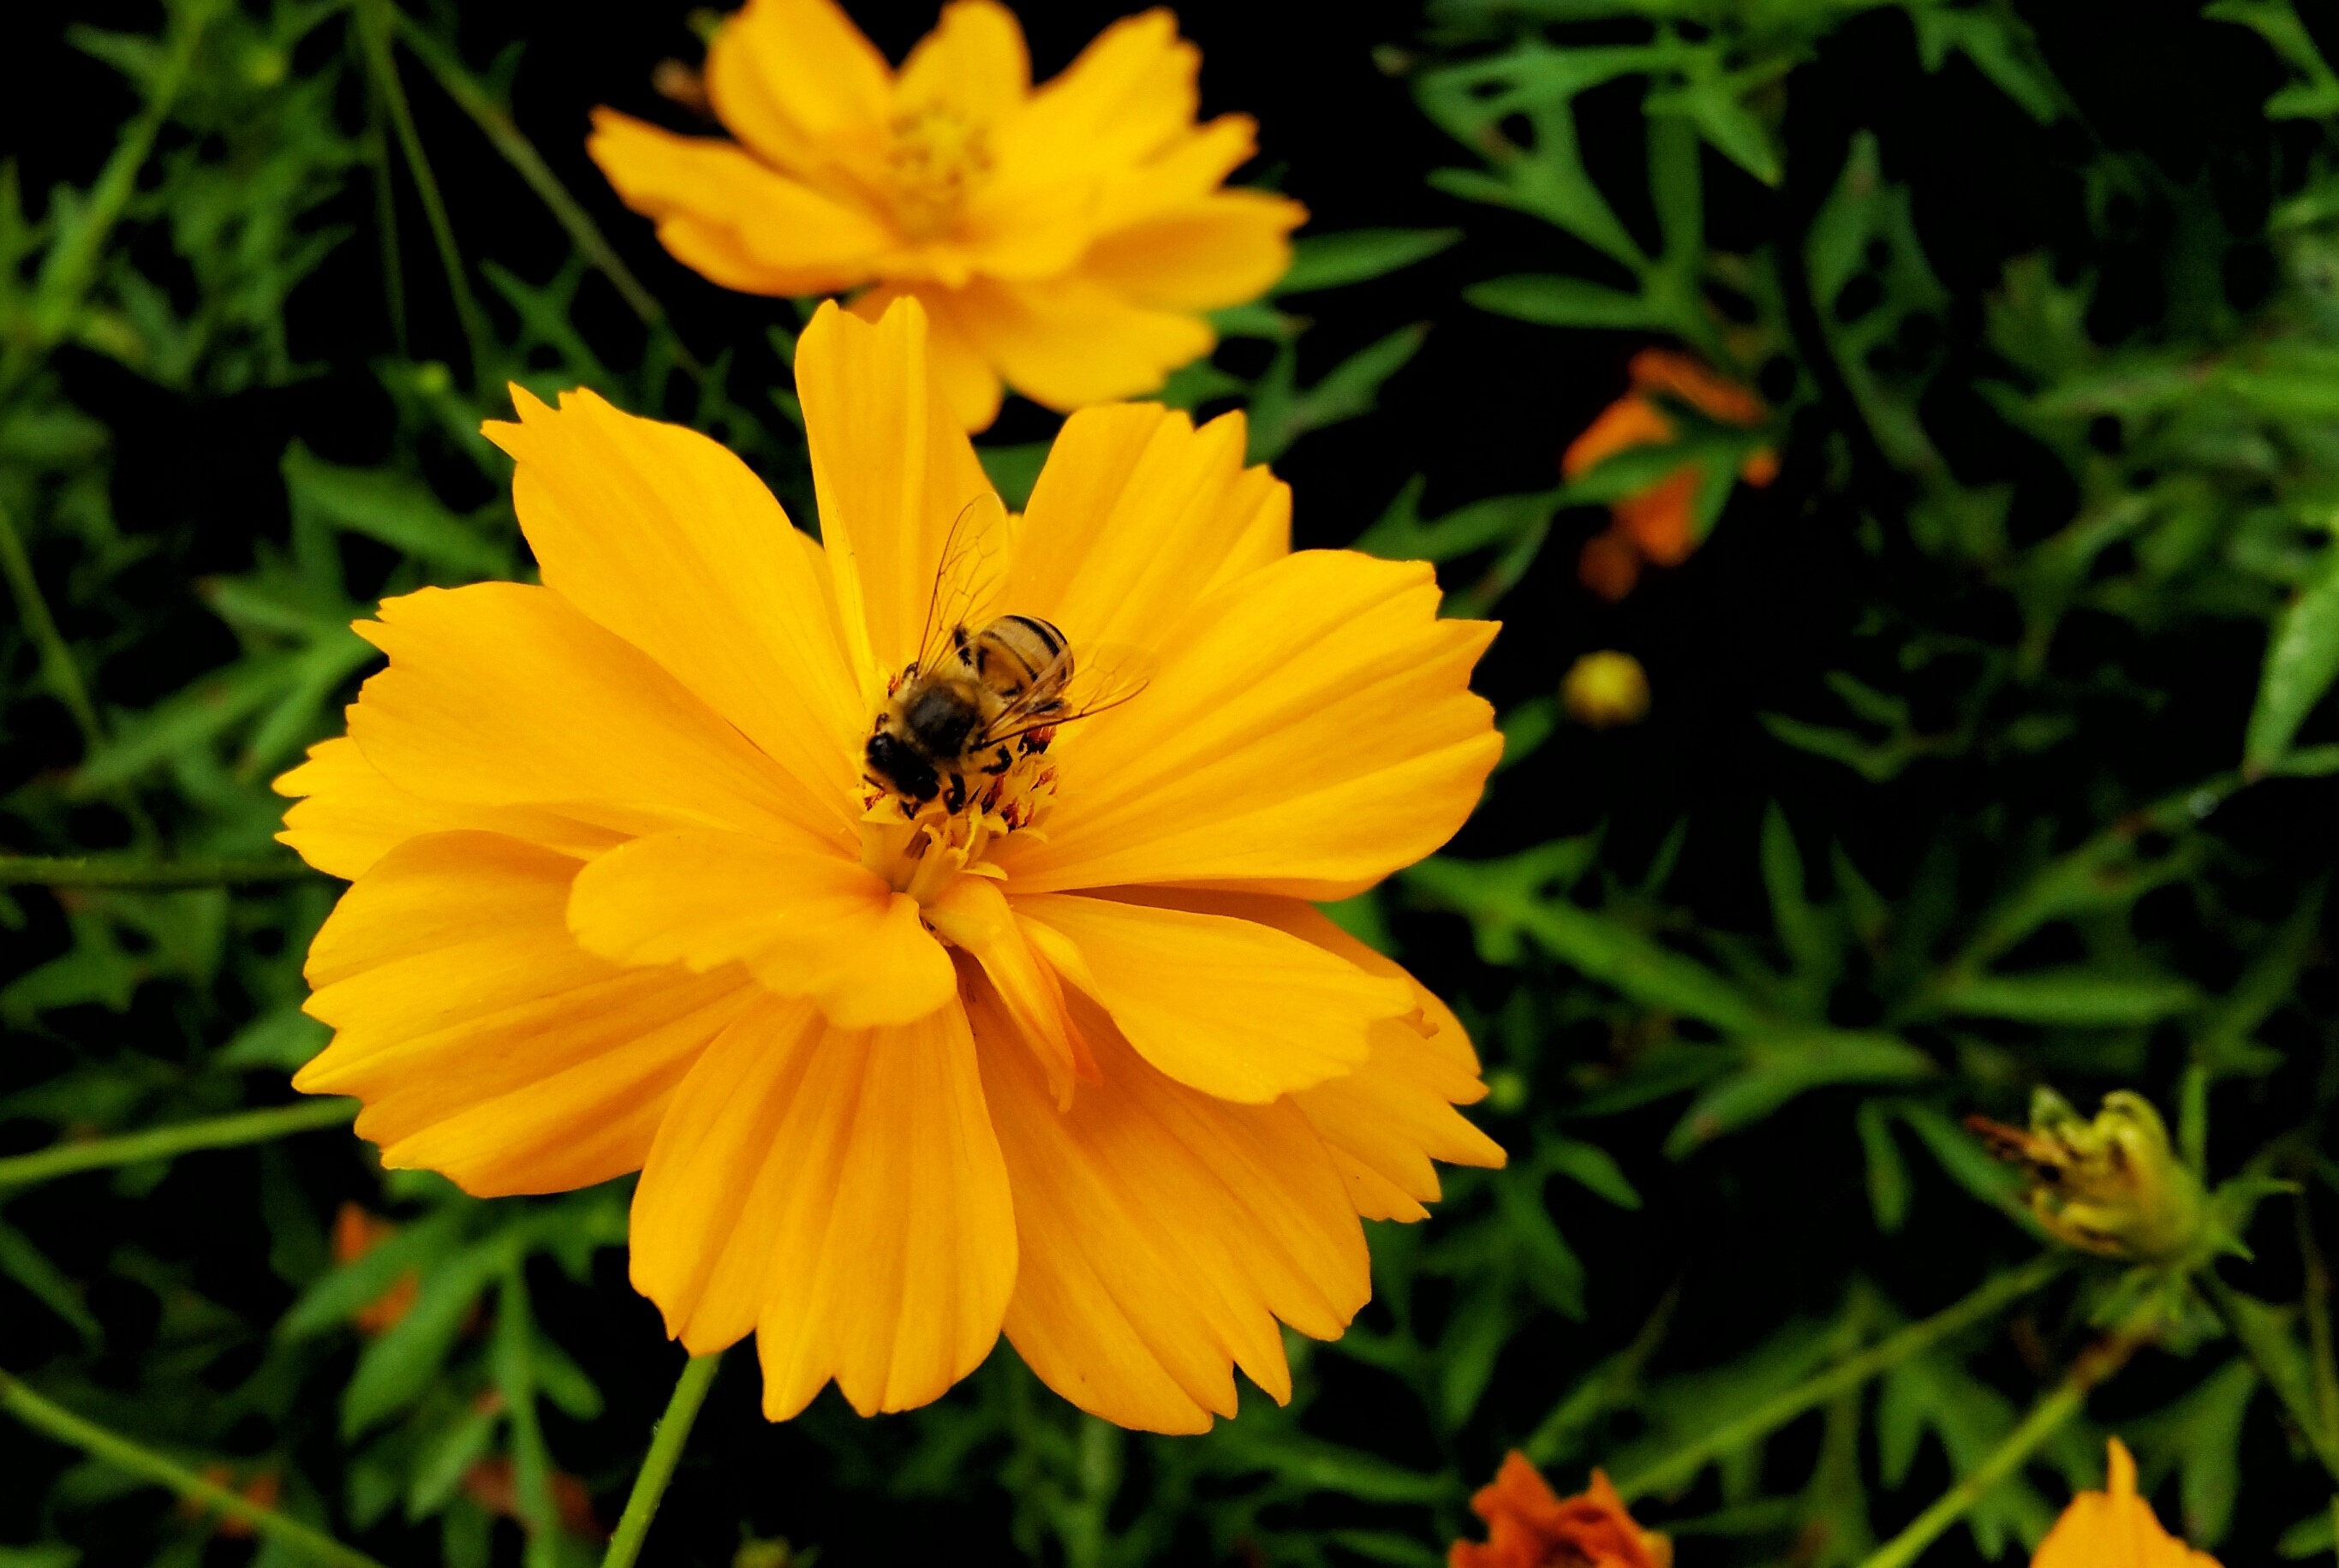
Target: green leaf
x=1501 y=898
x=394 y=1370
x=1932 y=1393
x=1481 y=1326
x=2302 y=660
x=1013 y=470
x=344 y=1293
x=1334 y=261
x=1778 y=1067
x=1588 y=1166
x=1549 y=300
x=1281 y=414
x=562 y=1382
x=1533 y=1245
x=2080 y=998
x=2201 y=1434
x=1889 y=1187
x=2313 y=1536
x=1964 y=1161
x=29 y=1267
x=2000 y=47
x=446 y=1456
x=401 y=513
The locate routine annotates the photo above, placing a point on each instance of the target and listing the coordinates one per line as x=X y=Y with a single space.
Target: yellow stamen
x=936 y=160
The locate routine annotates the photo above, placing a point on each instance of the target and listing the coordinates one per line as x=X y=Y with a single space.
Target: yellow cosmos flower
x=1066 y=238
x=1064 y=1050
x=2115 y=1529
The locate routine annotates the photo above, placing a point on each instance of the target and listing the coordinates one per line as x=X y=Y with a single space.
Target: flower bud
x=2111 y=1186
x=1605 y=690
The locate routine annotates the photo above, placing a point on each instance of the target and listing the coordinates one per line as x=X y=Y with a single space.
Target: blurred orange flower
x=1529 y=1525
x=262 y=1490
x=355 y=1233
x=2115 y=1529
x=492 y=1484
x=1067 y=238
x=1657 y=526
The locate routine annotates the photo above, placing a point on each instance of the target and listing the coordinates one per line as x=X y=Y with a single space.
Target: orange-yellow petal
x=1387 y=1119
x=963 y=378
x=1069 y=341
x=348 y=816
x=1232 y=1008
x=2115 y=1528
x=842 y=1194
x=741 y=222
x=804 y=923
x=502 y=694
x=893 y=469
x=486 y=1044
x=797 y=81
x=1180 y=172
x=973 y=63
x=1128 y=94
x=1163 y=1232
x=1221 y=250
x=1309 y=731
x=972 y=914
x=1135 y=515
x=670 y=541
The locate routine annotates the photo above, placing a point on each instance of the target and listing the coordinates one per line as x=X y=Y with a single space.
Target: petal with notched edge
x=504 y=695
x=801 y=86
x=1387 y=1119
x=741 y=222
x=1232 y=1008
x=804 y=923
x=1068 y=341
x=1310 y=730
x=346 y=815
x=1136 y=516
x=1162 y=1234
x=893 y=469
x=486 y=1044
x=670 y=541
x=1222 y=250
x=840 y=1193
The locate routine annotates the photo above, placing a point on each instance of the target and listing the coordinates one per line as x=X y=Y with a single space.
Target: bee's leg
x=1005 y=761
x=955 y=793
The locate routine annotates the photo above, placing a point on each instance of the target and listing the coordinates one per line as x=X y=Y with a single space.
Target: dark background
x=1484 y=410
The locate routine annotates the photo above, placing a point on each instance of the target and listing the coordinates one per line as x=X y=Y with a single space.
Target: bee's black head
x=903 y=770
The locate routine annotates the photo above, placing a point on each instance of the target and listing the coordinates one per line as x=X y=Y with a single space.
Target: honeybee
x=976 y=699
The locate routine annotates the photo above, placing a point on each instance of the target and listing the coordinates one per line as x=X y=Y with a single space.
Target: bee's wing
x=969 y=576
x=1103 y=676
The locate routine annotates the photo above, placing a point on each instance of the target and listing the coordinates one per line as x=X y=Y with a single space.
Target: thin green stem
x=52 y=1420
x=2256 y=1338
x=2045 y=1419
x=375 y=23
x=665 y=1452
x=162 y=1142
x=77 y=871
x=493 y=119
x=57 y=666
x=385 y=214
x=1993 y=1296
x=2318 y=1330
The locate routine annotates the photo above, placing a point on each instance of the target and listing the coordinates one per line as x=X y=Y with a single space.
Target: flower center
x=937 y=158
x=920 y=846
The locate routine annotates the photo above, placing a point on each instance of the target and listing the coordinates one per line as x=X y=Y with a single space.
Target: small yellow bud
x=2111 y=1186
x=1605 y=690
